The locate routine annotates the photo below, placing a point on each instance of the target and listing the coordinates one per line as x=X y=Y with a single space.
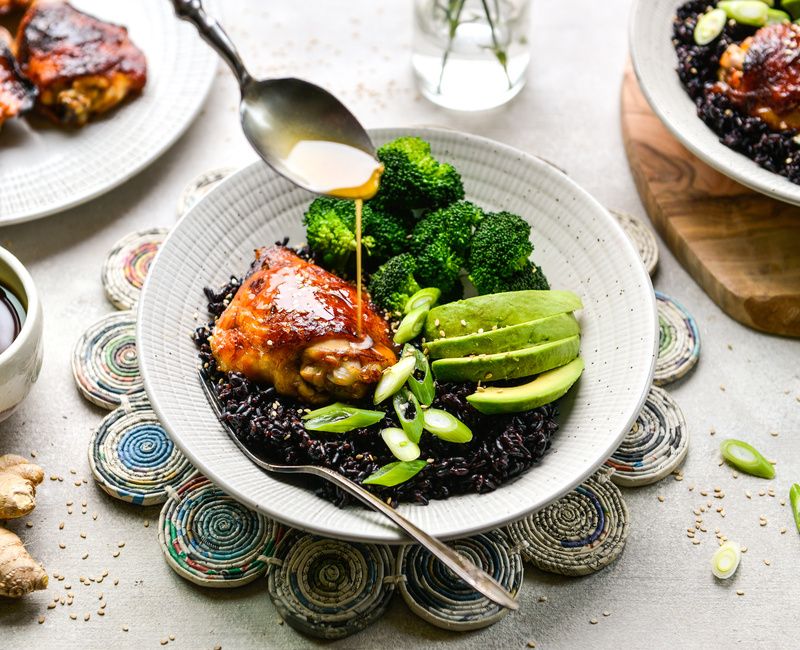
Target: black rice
x=697 y=68
x=270 y=425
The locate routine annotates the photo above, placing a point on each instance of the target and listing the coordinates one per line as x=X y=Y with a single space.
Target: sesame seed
x=661 y=498
x=125 y=628
x=767 y=562
x=41 y=620
x=740 y=592
x=593 y=621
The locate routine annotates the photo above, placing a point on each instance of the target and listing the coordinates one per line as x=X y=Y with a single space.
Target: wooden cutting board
x=742 y=247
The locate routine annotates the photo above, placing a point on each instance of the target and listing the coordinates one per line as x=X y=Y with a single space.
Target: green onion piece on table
x=395 y=473
x=423 y=389
x=423 y=298
x=398 y=442
x=411 y=325
x=340 y=418
x=709 y=26
x=746 y=458
x=393 y=379
x=409 y=413
x=794 y=497
x=445 y=426
x=726 y=560
x=746 y=12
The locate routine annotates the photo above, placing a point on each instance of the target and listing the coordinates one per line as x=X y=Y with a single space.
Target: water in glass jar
x=471 y=54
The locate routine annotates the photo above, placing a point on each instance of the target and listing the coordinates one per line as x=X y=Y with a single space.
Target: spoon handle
x=474 y=576
x=213 y=34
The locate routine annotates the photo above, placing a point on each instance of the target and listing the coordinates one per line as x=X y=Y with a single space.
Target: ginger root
x=19 y=574
x=18 y=481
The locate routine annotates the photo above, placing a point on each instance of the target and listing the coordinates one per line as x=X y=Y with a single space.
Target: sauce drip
x=10 y=319
x=360 y=326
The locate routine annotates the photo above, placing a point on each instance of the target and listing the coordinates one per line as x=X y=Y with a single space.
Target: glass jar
x=471 y=55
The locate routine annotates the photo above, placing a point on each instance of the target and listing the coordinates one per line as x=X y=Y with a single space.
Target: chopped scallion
x=746 y=458
x=446 y=426
x=794 y=497
x=411 y=325
x=395 y=473
x=726 y=560
x=340 y=418
x=709 y=26
x=423 y=298
x=409 y=412
x=424 y=389
x=398 y=442
x=393 y=379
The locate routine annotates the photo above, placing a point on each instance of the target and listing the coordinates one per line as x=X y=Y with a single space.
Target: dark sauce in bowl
x=11 y=318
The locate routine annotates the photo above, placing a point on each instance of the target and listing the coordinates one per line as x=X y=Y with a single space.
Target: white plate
x=579 y=245
x=655 y=64
x=44 y=170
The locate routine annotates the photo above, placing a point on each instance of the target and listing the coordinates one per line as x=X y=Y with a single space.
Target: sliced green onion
x=395 y=473
x=726 y=560
x=709 y=26
x=445 y=426
x=424 y=389
x=423 y=298
x=405 y=403
x=769 y=3
x=401 y=446
x=393 y=379
x=411 y=325
x=340 y=418
x=794 y=497
x=746 y=12
x=776 y=17
x=746 y=458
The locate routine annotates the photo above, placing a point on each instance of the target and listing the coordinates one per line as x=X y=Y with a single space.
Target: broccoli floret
x=499 y=256
x=393 y=283
x=439 y=265
x=384 y=235
x=414 y=179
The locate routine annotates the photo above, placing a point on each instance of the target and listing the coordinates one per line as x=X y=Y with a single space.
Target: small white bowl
x=20 y=364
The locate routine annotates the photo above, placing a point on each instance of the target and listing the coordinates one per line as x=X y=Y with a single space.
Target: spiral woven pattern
x=642 y=237
x=435 y=593
x=656 y=444
x=127 y=265
x=679 y=341
x=105 y=364
x=580 y=533
x=212 y=540
x=328 y=588
x=131 y=457
x=199 y=186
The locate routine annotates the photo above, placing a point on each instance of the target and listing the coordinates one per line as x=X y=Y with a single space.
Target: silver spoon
x=276 y=113
x=474 y=576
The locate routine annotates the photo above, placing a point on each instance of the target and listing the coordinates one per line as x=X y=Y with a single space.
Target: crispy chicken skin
x=82 y=66
x=7 y=6
x=294 y=325
x=761 y=75
x=17 y=94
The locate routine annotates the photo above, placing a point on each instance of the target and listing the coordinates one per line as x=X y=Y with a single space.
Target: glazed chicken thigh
x=17 y=94
x=81 y=65
x=294 y=325
x=7 y=6
x=762 y=75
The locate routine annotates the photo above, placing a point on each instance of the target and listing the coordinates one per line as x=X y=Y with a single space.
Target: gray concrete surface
x=659 y=594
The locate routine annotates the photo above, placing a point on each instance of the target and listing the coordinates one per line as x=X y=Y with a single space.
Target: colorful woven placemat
x=127 y=265
x=199 y=186
x=642 y=237
x=132 y=458
x=212 y=540
x=679 y=341
x=104 y=361
x=580 y=533
x=327 y=588
x=656 y=444
x=433 y=592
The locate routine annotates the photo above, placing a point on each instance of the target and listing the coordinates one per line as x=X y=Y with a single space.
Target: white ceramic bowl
x=655 y=64
x=20 y=364
x=579 y=245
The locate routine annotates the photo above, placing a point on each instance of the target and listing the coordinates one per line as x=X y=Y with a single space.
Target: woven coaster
x=327 y=588
x=679 y=341
x=199 y=186
x=655 y=446
x=433 y=592
x=132 y=458
x=104 y=361
x=212 y=540
x=642 y=237
x=127 y=265
x=580 y=533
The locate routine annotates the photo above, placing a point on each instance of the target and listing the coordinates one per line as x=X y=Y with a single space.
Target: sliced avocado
x=508 y=365
x=497 y=310
x=546 y=388
x=514 y=337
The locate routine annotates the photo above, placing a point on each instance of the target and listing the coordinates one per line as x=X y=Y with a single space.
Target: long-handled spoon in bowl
x=300 y=130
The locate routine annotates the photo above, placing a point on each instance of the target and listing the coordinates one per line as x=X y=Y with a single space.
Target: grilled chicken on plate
x=82 y=66
x=294 y=325
x=17 y=94
x=761 y=75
